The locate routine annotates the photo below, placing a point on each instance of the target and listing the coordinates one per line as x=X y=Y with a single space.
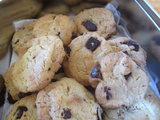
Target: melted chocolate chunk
x=96 y=72
x=156 y=39
x=66 y=114
x=132 y=43
x=10 y=100
x=22 y=95
x=127 y=76
x=20 y=110
x=16 y=41
x=90 y=26
x=126 y=53
x=67 y=49
x=74 y=35
x=92 y=44
x=108 y=95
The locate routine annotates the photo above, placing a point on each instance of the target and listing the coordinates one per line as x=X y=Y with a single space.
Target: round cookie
x=129 y=47
x=59 y=25
x=86 y=51
x=22 y=36
x=147 y=109
x=118 y=81
x=155 y=46
x=98 y=20
x=67 y=99
x=24 y=109
x=12 y=90
x=34 y=69
x=1 y=83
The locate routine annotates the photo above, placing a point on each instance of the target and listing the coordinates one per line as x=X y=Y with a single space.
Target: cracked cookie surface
x=129 y=47
x=119 y=81
x=34 y=69
x=98 y=20
x=67 y=99
x=85 y=52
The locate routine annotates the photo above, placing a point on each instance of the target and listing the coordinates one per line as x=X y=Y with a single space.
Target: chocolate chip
x=16 y=41
x=67 y=49
x=49 y=69
x=22 y=95
x=108 y=95
x=96 y=73
x=127 y=76
x=20 y=110
x=92 y=44
x=90 y=26
x=34 y=57
x=98 y=117
x=132 y=43
x=126 y=53
x=10 y=100
x=156 y=39
x=58 y=34
x=66 y=114
x=53 y=80
x=60 y=70
x=74 y=35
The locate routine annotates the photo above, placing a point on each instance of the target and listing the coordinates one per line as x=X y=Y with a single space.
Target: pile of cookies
x=59 y=59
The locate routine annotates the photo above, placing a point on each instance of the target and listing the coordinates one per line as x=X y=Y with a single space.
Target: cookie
x=147 y=109
x=34 y=69
x=72 y=2
x=1 y=83
x=118 y=81
x=22 y=36
x=98 y=20
x=14 y=93
x=55 y=8
x=129 y=47
x=24 y=109
x=155 y=46
x=67 y=99
x=59 y=25
x=84 y=5
x=85 y=52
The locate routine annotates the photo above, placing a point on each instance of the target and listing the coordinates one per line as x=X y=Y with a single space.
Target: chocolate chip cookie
x=11 y=89
x=34 y=69
x=59 y=25
x=21 y=36
x=84 y=52
x=147 y=109
x=119 y=81
x=24 y=109
x=67 y=99
x=129 y=47
x=98 y=20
